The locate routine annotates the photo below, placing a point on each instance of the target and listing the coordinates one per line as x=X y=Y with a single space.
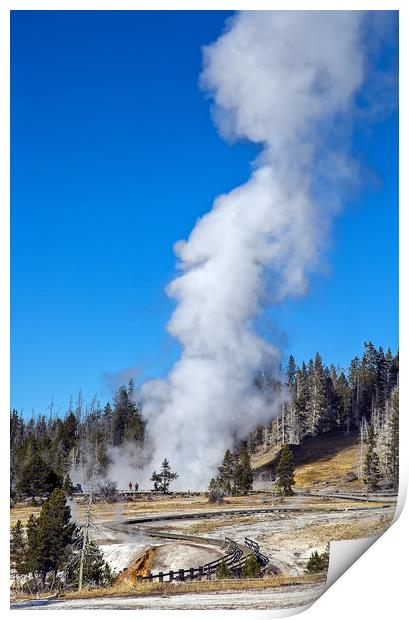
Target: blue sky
x=114 y=157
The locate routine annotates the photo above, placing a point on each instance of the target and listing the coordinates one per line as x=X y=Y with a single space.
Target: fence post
x=191 y=573
x=160 y=577
x=181 y=574
x=171 y=575
x=200 y=572
x=150 y=576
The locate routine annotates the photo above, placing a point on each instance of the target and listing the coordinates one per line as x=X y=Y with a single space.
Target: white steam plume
x=284 y=80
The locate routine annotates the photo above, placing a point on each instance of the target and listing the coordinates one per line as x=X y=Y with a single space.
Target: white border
x=375 y=586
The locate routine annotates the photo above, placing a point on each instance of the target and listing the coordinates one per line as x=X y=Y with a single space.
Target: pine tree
x=368 y=377
x=330 y=419
x=66 y=436
x=37 y=478
x=363 y=439
x=49 y=538
x=242 y=473
x=225 y=476
x=96 y=571
x=120 y=416
x=389 y=374
x=127 y=423
x=316 y=407
x=68 y=486
x=131 y=388
x=285 y=471
x=291 y=371
x=301 y=399
x=251 y=568
x=107 y=416
x=318 y=562
x=223 y=571
x=29 y=561
x=392 y=445
x=354 y=381
x=17 y=546
x=343 y=391
x=372 y=475
x=380 y=380
x=163 y=479
x=216 y=494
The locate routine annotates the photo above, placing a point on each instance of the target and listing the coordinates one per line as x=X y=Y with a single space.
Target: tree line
x=316 y=398
x=313 y=399
x=44 y=449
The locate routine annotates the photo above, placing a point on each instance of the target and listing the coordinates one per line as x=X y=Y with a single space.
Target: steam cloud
x=285 y=80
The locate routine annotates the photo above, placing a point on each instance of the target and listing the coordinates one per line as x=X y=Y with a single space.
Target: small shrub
x=223 y=571
x=318 y=563
x=251 y=568
x=97 y=572
x=216 y=496
x=107 y=492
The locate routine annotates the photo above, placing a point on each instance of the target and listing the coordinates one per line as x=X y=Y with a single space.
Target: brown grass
x=167 y=589
x=319 y=535
x=141 y=507
x=264 y=456
x=107 y=512
x=318 y=460
x=23 y=513
x=213 y=524
x=329 y=468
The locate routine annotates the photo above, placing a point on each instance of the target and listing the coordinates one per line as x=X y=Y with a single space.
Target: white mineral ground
x=176 y=555
x=120 y=556
x=120 y=550
x=270 y=598
x=287 y=539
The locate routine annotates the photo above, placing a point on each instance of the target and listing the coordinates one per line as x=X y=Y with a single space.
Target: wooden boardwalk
x=234 y=558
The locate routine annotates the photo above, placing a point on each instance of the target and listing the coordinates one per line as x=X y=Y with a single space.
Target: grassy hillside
x=319 y=461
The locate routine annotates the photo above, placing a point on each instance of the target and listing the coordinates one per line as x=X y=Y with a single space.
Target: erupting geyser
x=287 y=81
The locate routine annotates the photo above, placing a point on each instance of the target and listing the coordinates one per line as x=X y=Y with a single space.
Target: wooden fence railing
x=261 y=558
x=234 y=559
